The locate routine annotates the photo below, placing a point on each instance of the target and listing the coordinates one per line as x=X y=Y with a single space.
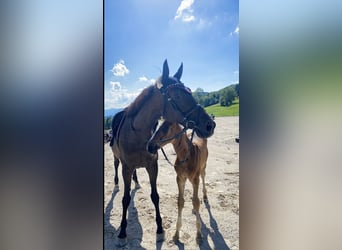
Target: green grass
x=218 y=111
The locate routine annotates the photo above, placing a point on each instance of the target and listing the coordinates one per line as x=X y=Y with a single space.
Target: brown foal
x=190 y=164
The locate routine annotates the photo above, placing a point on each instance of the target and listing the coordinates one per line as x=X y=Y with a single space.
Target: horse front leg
x=153 y=173
x=135 y=178
x=196 y=205
x=126 y=175
x=181 y=186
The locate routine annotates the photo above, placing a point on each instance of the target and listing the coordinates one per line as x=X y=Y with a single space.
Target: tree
x=200 y=96
x=237 y=89
x=227 y=96
x=199 y=90
x=108 y=122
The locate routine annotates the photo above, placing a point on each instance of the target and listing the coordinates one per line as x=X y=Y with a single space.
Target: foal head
x=165 y=134
x=180 y=106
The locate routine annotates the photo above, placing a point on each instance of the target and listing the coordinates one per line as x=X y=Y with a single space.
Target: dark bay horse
x=167 y=98
x=190 y=164
x=118 y=117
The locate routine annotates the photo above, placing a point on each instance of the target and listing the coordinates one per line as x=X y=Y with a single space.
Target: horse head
x=180 y=106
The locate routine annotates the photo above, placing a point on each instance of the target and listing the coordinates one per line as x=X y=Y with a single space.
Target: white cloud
x=116 y=86
x=203 y=24
x=120 y=69
x=236 y=31
x=144 y=79
x=185 y=11
x=119 y=97
x=187 y=18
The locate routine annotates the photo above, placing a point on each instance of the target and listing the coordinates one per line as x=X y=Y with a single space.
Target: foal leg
x=181 y=187
x=153 y=173
x=135 y=178
x=205 y=197
x=196 y=205
x=127 y=176
x=116 y=165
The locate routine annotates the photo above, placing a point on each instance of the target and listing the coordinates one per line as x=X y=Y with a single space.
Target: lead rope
x=167 y=159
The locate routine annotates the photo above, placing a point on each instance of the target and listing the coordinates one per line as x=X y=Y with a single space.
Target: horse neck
x=149 y=113
x=182 y=145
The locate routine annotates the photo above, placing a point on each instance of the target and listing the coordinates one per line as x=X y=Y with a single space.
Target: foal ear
x=165 y=75
x=179 y=73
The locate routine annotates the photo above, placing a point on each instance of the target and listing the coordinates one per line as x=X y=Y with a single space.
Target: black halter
x=189 y=124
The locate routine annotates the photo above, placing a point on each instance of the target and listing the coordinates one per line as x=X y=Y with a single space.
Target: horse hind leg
x=196 y=205
x=153 y=173
x=204 y=189
x=116 y=166
x=127 y=178
x=180 y=204
x=135 y=178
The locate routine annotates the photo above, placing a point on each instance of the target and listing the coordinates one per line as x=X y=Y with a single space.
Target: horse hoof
x=199 y=239
x=160 y=237
x=121 y=242
x=176 y=237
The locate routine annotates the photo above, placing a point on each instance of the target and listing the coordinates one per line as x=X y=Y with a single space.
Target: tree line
x=224 y=97
x=108 y=122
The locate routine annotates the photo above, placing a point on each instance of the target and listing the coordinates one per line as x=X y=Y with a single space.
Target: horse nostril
x=210 y=126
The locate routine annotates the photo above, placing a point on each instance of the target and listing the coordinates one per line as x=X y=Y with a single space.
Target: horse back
x=116 y=122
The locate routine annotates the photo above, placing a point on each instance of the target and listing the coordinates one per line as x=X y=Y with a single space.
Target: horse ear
x=179 y=72
x=165 y=75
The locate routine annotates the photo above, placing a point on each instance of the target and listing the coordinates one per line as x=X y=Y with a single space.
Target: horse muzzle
x=206 y=130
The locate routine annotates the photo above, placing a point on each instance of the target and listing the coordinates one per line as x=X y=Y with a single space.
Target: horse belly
x=140 y=159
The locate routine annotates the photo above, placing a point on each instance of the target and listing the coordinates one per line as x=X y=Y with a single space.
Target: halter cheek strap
x=189 y=123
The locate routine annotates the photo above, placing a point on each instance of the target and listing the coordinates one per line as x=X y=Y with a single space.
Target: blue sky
x=141 y=34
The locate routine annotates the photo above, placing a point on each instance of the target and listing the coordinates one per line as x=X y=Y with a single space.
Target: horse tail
x=111 y=141
x=116 y=124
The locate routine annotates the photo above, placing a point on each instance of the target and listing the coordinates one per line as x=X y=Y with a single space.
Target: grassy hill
x=218 y=111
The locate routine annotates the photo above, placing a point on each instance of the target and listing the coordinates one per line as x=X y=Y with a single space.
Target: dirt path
x=220 y=217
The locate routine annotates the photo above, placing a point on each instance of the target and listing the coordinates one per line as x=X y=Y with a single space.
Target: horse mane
x=136 y=105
